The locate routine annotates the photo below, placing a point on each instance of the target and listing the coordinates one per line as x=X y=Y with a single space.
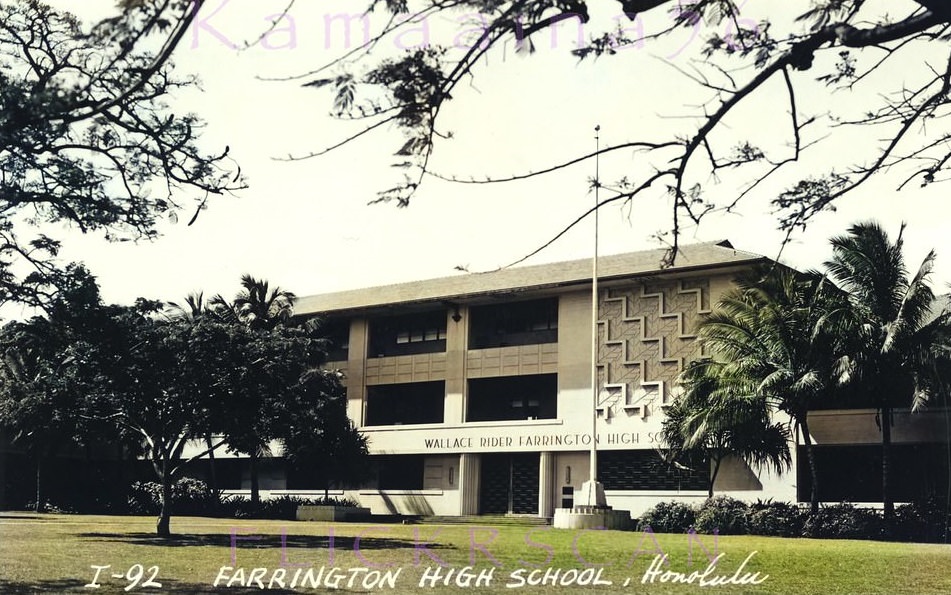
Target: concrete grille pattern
x=646 y=333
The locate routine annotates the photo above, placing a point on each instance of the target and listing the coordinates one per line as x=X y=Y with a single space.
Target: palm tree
x=260 y=308
x=717 y=417
x=775 y=337
x=192 y=308
x=891 y=354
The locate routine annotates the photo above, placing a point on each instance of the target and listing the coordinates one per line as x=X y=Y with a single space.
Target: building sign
x=551 y=440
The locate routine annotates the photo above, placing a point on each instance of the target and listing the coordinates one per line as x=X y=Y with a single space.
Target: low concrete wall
x=591 y=517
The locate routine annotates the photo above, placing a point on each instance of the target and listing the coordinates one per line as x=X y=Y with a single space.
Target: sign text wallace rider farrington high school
x=538 y=440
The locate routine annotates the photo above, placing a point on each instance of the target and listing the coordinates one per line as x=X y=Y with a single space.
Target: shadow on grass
x=49 y=586
x=251 y=541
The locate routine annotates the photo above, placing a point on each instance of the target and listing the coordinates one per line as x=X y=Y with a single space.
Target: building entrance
x=509 y=483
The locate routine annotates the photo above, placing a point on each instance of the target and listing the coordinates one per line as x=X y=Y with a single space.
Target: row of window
x=488 y=399
x=495 y=325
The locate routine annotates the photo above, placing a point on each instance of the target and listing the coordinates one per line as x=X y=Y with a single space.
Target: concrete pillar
x=574 y=357
x=546 y=484
x=457 y=339
x=356 y=371
x=469 y=469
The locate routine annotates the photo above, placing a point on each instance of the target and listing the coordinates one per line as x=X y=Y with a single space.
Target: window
x=853 y=473
x=408 y=334
x=516 y=323
x=645 y=470
x=409 y=403
x=513 y=397
x=337 y=332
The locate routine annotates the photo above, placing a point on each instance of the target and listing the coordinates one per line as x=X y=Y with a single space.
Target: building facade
x=475 y=391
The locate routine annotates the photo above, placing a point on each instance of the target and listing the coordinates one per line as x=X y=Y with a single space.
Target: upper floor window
x=337 y=333
x=512 y=398
x=515 y=323
x=409 y=403
x=408 y=334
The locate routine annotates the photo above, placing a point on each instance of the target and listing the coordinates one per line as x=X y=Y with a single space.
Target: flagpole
x=594 y=316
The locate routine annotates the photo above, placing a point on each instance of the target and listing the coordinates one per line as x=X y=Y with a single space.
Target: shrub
x=330 y=501
x=50 y=507
x=926 y=521
x=144 y=497
x=921 y=521
x=844 y=521
x=190 y=497
x=775 y=519
x=722 y=514
x=280 y=508
x=668 y=517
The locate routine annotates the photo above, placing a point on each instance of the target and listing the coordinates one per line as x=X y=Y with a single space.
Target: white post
x=594 y=318
x=592 y=493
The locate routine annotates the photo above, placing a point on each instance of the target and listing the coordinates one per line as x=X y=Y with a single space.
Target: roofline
x=323 y=303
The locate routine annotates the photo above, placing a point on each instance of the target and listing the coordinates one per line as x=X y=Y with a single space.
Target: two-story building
x=475 y=391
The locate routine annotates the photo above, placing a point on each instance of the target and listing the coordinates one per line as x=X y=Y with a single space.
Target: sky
x=307 y=225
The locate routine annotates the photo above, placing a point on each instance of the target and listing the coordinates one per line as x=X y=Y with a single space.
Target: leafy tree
x=164 y=382
x=38 y=408
x=281 y=394
x=260 y=309
x=713 y=157
x=710 y=162
x=37 y=416
x=87 y=136
x=718 y=417
x=319 y=438
x=88 y=369
x=776 y=335
x=192 y=309
x=895 y=345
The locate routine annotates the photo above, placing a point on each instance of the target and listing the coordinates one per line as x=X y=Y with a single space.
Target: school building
x=475 y=391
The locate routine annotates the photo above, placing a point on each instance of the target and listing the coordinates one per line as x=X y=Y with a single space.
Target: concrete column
x=574 y=361
x=546 y=484
x=457 y=339
x=469 y=468
x=356 y=370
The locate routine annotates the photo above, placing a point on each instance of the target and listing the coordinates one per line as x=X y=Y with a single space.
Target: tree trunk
x=253 y=471
x=888 y=503
x=163 y=526
x=38 y=503
x=212 y=475
x=713 y=476
x=813 y=471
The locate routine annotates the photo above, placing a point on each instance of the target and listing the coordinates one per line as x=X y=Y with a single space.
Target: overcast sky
x=307 y=227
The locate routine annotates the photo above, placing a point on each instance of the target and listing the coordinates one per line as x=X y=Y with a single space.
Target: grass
x=57 y=554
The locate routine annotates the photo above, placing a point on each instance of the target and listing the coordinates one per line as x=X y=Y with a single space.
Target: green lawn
x=58 y=554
